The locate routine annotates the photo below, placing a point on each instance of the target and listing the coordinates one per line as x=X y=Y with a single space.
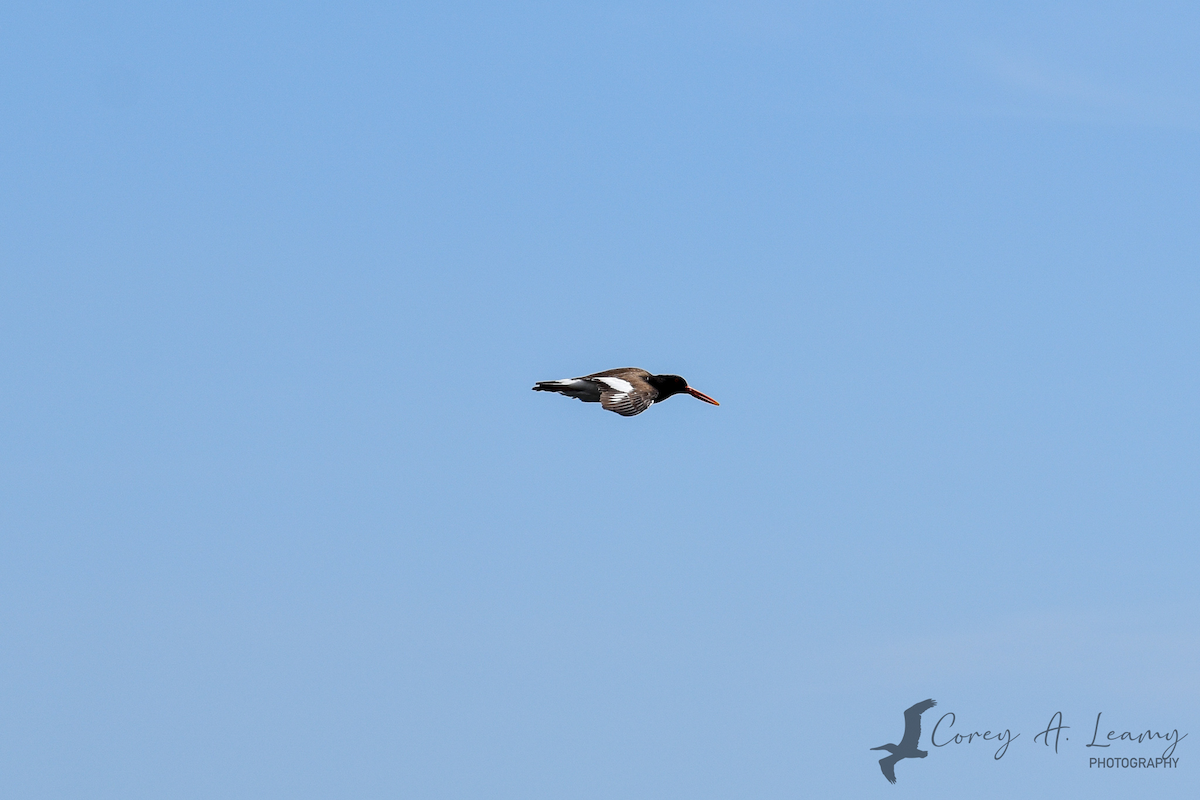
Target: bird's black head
x=668 y=385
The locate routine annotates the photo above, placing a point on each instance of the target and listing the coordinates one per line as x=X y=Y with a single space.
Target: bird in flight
x=626 y=391
x=908 y=745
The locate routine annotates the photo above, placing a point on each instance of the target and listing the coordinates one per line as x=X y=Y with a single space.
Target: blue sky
x=280 y=517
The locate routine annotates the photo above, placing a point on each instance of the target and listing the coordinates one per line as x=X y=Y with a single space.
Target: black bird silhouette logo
x=908 y=745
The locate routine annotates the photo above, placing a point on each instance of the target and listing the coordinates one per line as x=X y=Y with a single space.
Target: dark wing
x=626 y=404
x=627 y=373
x=627 y=396
x=888 y=765
x=912 y=724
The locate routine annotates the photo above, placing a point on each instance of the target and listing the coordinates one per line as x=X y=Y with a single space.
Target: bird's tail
x=571 y=387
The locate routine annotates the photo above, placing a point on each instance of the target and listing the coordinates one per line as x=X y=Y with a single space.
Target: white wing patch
x=619 y=384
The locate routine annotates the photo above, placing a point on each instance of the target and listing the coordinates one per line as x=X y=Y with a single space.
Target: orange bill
x=701 y=396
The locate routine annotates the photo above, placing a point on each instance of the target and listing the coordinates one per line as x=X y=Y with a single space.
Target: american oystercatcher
x=627 y=391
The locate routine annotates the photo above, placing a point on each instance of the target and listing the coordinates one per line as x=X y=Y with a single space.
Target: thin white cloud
x=1038 y=88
